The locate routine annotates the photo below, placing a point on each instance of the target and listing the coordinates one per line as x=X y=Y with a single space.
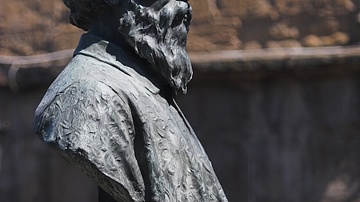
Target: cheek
x=183 y=31
x=176 y=37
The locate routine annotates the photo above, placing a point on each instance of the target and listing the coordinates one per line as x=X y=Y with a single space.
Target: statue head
x=155 y=29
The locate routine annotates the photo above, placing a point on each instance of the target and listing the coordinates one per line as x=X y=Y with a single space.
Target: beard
x=158 y=34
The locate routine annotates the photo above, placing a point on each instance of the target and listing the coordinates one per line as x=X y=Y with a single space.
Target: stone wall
x=282 y=138
x=34 y=26
x=254 y=24
x=29 y=170
x=280 y=128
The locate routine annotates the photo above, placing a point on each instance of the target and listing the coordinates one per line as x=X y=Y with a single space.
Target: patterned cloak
x=113 y=119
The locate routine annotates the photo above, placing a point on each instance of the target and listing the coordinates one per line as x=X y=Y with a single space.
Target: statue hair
x=157 y=33
x=84 y=12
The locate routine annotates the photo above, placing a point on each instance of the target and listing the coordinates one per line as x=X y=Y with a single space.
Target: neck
x=106 y=26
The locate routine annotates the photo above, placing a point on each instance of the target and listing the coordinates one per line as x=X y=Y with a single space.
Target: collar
x=112 y=54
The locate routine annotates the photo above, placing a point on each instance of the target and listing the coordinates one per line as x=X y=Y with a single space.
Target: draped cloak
x=111 y=118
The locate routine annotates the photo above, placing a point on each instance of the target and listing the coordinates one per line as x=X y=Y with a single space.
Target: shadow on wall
x=285 y=138
x=29 y=170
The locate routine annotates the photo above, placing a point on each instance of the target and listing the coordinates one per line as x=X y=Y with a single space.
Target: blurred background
x=275 y=98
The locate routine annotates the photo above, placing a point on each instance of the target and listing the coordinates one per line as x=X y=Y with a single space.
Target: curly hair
x=84 y=12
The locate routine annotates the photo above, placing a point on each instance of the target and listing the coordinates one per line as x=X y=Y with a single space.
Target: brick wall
x=251 y=24
x=34 y=26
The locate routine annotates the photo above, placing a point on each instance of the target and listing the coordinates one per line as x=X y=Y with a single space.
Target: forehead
x=146 y=2
x=150 y=2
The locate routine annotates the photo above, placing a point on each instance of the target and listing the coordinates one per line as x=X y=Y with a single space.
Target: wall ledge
x=24 y=72
x=275 y=59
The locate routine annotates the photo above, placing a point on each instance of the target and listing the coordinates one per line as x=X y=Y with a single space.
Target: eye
x=185 y=18
x=179 y=18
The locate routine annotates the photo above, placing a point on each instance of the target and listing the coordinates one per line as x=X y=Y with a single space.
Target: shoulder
x=77 y=91
x=83 y=74
x=79 y=99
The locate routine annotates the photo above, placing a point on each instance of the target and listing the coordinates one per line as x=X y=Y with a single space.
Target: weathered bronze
x=112 y=113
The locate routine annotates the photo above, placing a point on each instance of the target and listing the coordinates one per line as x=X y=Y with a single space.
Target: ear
x=113 y=2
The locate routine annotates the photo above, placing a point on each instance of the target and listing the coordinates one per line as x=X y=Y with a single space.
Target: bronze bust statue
x=112 y=113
